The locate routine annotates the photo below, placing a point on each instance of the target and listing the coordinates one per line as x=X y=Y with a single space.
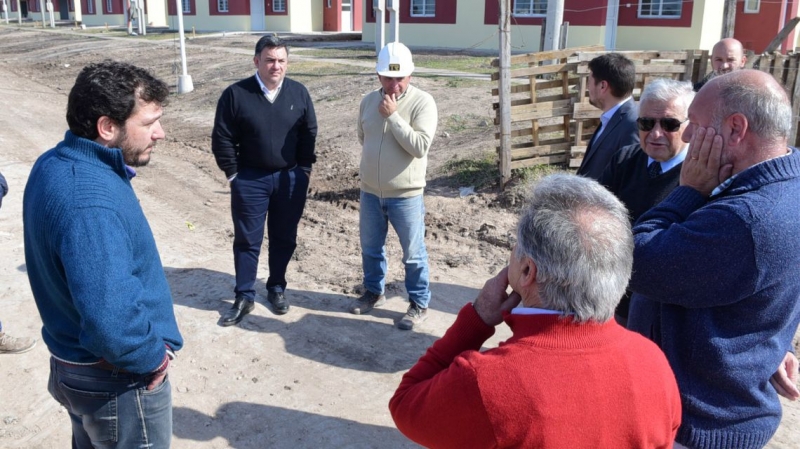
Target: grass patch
x=313 y=69
x=477 y=173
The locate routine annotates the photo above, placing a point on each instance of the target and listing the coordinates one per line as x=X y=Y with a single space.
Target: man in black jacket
x=610 y=87
x=264 y=135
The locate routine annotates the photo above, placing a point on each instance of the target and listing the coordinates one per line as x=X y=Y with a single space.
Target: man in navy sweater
x=264 y=134
x=719 y=257
x=94 y=268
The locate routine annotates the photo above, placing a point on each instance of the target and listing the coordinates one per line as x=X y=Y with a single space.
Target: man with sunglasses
x=643 y=174
x=611 y=80
x=718 y=258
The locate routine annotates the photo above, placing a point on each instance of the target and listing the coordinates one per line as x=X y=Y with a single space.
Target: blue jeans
x=112 y=410
x=279 y=198
x=407 y=216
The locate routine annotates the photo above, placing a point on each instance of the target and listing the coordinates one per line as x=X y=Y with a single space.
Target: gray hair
x=765 y=106
x=579 y=236
x=665 y=90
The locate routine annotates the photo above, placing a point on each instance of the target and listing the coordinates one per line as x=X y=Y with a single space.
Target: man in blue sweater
x=94 y=268
x=264 y=134
x=719 y=258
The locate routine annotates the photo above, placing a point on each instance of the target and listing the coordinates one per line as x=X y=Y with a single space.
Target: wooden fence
x=552 y=120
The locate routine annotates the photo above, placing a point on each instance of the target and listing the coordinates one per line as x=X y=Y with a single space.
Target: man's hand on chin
x=493 y=300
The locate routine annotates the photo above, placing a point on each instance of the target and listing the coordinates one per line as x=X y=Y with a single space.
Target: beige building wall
x=470 y=32
x=157 y=13
x=279 y=23
x=305 y=16
x=703 y=34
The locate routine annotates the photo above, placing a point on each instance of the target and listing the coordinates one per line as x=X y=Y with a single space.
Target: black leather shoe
x=279 y=302
x=241 y=307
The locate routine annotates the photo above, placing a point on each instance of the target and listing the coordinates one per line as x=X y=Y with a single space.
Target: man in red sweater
x=570 y=376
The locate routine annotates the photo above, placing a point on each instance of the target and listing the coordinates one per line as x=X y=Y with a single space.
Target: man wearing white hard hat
x=396 y=126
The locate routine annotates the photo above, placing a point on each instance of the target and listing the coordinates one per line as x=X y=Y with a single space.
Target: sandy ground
x=318 y=376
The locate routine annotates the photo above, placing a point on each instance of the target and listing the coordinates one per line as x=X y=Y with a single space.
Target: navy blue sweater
x=251 y=131
x=93 y=265
x=3 y=188
x=724 y=274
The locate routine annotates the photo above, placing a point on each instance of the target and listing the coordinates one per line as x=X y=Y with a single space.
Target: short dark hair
x=110 y=89
x=617 y=70
x=270 y=41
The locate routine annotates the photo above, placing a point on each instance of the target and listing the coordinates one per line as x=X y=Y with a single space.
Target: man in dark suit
x=611 y=80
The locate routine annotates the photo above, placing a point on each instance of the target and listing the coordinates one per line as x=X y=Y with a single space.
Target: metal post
x=394 y=19
x=50 y=13
x=142 y=18
x=555 y=15
x=5 y=11
x=380 y=26
x=504 y=91
x=185 y=84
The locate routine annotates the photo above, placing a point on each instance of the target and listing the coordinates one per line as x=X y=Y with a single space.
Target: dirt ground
x=318 y=376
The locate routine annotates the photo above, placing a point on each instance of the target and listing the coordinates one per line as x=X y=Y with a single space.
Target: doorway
x=257 y=15
x=347 y=15
x=63 y=9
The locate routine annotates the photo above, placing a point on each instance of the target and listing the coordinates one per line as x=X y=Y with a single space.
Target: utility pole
x=380 y=25
x=394 y=18
x=185 y=84
x=555 y=16
x=728 y=19
x=504 y=91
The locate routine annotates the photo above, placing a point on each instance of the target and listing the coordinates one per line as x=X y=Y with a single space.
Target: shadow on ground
x=325 y=332
x=245 y=425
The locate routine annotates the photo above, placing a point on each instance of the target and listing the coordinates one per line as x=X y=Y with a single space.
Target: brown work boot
x=11 y=345
x=367 y=302
x=414 y=315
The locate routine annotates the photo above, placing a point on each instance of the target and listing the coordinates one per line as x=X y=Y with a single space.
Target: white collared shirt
x=270 y=94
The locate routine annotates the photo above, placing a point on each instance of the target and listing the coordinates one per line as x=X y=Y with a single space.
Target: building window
x=329 y=3
x=530 y=8
x=109 y=6
x=660 y=9
x=222 y=5
x=187 y=6
x=279 y=6
x=752 y=6
x=423 y=8
x=71 y=5
x=89 y=6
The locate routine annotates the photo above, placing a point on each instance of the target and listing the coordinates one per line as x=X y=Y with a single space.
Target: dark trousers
x=279 y=198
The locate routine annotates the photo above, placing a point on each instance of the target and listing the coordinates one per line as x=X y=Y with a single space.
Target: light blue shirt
x=727 y=183
x=607 y=116
x=670 y=164
x=533 y=311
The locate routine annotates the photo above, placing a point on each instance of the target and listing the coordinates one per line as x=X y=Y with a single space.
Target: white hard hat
x=394 y=61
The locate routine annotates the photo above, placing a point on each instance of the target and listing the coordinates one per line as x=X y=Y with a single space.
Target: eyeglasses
x=669 y=125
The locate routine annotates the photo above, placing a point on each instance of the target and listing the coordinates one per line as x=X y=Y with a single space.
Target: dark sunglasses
x=669 y=125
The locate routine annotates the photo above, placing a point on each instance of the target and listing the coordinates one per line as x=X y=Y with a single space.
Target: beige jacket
x=394 y=157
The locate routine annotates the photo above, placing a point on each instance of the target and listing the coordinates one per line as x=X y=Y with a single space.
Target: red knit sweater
x=553 y=384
